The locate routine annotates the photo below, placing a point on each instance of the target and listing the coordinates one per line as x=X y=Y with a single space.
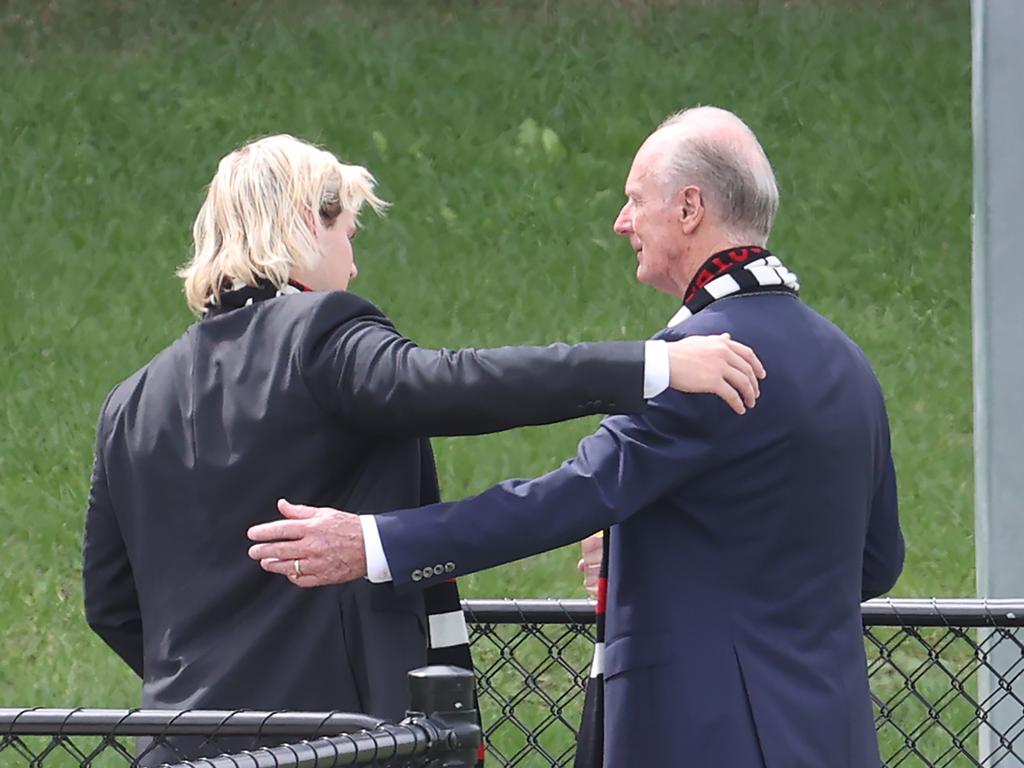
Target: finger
x=310 y=567
x=281 y=550
x=748 y=354
x=295 y=511
x=315 y=572
x=750 y=358
x=278 y=566
x=277 y=530
x=743 y=367
x=732 y=398
x=580 y=565
x=743 y=384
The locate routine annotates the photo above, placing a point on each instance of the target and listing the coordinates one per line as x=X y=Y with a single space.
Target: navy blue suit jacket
x=742 y=548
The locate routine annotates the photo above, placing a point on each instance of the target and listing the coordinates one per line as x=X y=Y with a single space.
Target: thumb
x=725 y=336
x=295 y=511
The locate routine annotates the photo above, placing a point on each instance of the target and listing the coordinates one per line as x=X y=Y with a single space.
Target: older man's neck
x=698 y=255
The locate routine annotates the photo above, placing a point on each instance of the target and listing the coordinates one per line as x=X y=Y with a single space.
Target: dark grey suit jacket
x=318 y=399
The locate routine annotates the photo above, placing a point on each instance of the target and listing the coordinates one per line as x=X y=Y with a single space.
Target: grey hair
x=734 y=176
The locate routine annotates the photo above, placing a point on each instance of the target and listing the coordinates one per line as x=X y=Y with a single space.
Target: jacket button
x=449 y=567
x=417 y=575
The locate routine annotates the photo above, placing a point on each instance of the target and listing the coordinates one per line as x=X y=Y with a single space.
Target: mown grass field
x=502 y=132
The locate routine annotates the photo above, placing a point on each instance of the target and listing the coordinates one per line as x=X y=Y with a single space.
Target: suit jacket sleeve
x=361 y=368
x=884 y=547
x=111 y=603
x=627 y=464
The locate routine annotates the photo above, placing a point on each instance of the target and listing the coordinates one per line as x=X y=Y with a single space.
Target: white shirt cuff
x=657 y=370
x=377 y=569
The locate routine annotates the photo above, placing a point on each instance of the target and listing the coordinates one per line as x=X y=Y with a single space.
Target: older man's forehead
x=632 y=181
x=640 y=172
x=640 y=177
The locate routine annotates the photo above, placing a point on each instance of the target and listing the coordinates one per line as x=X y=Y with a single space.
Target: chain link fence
x=925 y=661
x=944 y=677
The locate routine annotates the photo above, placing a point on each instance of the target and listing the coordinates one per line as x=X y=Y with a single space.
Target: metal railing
x=98 y=738
x=925 y=658
x=925 y=661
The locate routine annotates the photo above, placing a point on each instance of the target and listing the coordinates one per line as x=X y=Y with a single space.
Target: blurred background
x=502 y=132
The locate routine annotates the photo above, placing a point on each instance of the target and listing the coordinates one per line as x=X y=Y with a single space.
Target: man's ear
x=691 y=208
x=307 y=216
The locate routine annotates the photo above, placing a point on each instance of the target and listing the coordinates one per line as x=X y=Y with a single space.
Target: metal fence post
x=445 y=695
x=998 y=269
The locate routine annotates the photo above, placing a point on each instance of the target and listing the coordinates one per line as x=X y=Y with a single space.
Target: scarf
x=447 y=636
x=237 y=294
x=728 y=273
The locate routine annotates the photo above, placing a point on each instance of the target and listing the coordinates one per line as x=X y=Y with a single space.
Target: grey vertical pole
x=998 y=314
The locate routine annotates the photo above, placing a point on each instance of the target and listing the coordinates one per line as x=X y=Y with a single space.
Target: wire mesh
x=939 y=670
x=925 y=661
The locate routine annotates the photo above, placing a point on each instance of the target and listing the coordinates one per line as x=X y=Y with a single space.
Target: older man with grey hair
x=738 y=549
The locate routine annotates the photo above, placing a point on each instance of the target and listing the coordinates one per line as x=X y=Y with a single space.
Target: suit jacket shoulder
x=324 y=309
x=300 y=320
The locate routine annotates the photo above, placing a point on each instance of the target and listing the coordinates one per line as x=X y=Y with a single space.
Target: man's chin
x=662 y=285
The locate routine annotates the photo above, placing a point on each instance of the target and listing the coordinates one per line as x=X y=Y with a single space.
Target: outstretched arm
x=623 y=467
x=367 y=372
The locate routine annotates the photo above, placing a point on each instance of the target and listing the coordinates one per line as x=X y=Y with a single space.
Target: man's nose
x=623 y=222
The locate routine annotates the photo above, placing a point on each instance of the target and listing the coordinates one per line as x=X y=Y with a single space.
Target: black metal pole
x=154 y=722
x=384 y=743
x=444 y=694
x=441 y=726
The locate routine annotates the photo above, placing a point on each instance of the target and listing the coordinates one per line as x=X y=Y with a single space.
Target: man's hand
x=590 y=563
x=326 y=543
x=716 y=365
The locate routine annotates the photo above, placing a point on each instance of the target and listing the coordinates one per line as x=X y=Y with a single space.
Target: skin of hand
x=328 y=544
x=590 y=563
x=716 y=365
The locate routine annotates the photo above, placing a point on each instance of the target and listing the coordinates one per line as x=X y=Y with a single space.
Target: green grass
x=114 y=115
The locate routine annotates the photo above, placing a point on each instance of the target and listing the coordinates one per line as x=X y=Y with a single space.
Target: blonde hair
x=252 y=225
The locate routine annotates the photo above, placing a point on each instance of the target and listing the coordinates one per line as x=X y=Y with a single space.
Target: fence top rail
x=389 y=742
x=944 y=612
x=528 y=611
x=160 y=722
x=884 y=612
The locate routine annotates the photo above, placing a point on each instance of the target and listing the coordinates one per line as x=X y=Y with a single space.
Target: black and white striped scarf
x=749 y=269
